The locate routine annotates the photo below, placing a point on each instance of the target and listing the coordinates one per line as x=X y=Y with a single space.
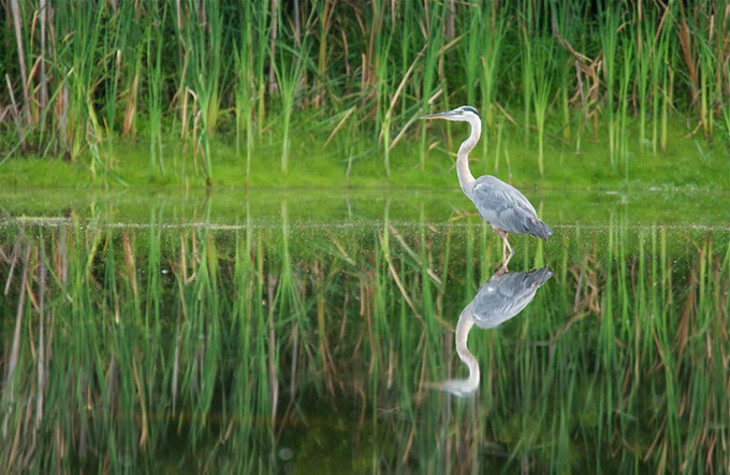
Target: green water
x=304 y=332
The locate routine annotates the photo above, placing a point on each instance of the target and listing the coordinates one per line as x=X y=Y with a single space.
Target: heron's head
x=460 y=114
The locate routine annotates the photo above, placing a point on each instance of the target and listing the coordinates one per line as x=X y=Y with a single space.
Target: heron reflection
x=502 y=297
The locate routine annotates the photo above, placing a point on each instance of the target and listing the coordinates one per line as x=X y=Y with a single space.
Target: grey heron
x=503 y=206
x=501 y=298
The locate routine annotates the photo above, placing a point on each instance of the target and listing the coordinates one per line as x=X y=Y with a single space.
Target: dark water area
x=362 y=331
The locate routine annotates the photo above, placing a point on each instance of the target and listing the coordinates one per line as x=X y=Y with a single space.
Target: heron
x=501 y=298
x=502 y=205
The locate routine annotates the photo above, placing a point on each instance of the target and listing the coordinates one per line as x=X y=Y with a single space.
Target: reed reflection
x=501 y=298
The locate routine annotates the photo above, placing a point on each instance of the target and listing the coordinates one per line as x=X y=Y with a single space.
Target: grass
x=207 y=339
x=687 y=166
x=80 y=82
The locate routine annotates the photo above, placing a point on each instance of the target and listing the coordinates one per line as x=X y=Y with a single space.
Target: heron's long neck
x=468 y=386
x=463 y=326
x=466 y=179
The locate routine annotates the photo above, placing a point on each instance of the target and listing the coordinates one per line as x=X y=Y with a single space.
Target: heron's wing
x=491 y=307
x=505 y=296
x=503 y=206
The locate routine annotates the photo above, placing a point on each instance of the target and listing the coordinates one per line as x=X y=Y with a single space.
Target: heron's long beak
x=440 y=115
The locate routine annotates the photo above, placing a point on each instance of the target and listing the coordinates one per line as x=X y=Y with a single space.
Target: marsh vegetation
x=210 y=87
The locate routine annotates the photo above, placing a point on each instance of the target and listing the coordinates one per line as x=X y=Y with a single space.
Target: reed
x=493 y=30
x=154 y=43
x=625 y=86
x=381 y=40
x=432 y=38
x=80 y=127
x=643 y=37
x=204 y=39
x=246 y=88
x=661 y=67
x=289 y=75
x=528 y=69
x=609 y=23
x=541 y=99
x=474 y=23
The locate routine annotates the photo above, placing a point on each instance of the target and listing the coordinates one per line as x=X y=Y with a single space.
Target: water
x=314 y=332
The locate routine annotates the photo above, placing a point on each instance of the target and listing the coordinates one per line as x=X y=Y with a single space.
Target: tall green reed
x=79 y=125
x=541 y=96
x=204 y=43
x=661 y=70
x=527 y=30
x=562 y=20
x=246 y=89
x=290 y=72
x=154 y=63
x=472 y=47
x=493 y=28
x=381 y=41
x=263 y=22
x=642 y=35
x=625 y=86
x=609 y=23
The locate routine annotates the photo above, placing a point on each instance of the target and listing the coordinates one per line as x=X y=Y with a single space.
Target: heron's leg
x=505 y=246
x=505 y=262
x=502 y=270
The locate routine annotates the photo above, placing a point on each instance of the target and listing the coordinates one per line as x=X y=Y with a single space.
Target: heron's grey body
x=505 y=295
x=501 y=298
x=506 y=208
x=503 y=206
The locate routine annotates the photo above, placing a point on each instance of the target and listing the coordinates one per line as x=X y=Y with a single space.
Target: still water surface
x=363 y=331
